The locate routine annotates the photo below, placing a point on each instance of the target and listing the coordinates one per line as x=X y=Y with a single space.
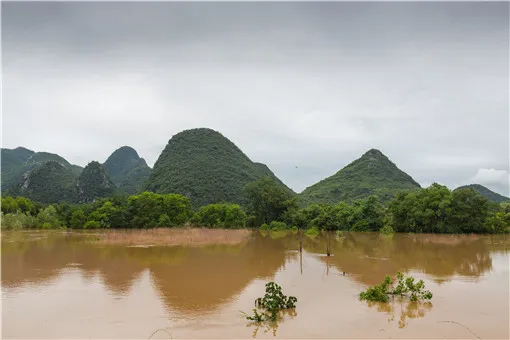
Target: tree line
x=435 y=209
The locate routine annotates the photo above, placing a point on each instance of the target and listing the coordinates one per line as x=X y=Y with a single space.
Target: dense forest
x=435 y=209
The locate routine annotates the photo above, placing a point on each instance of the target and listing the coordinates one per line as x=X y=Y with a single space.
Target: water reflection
x=271 y=326
x=403 y=309
x=369 y=257
x=189 y=279
x=199 y=290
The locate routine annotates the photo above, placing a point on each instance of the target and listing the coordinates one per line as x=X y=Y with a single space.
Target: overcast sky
x=312 y=85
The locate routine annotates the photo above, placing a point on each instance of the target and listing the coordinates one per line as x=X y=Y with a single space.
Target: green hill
x=372 y=174
x=13 y=162
x=94 y=182
x=206 y=167
x=50 y=182
x=127 y=170
x=16 y=163
x=485 y=192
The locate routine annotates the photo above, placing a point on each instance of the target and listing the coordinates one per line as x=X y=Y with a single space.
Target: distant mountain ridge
x=371 y=174
x=201 y=164
x=486 y=192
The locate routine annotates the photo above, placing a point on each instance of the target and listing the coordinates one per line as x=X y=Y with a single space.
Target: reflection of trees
x=368 y=257
x=189 y=279
x=271 y=326
x=406 y=310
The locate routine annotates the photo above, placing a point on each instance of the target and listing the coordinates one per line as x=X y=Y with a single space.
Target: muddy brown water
x=70 y=285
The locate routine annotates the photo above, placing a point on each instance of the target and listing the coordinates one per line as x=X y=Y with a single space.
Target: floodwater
x=70 y=285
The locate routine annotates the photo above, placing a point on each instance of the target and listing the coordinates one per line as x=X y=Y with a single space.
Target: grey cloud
x=312 y=85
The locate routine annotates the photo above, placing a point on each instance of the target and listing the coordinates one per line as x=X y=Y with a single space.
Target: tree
x=469 y=210
x=268 y=201
x=48 y=218
x=148 y=210
x=367 y=215
x=78 y=219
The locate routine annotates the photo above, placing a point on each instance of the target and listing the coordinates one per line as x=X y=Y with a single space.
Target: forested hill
x=18 y=162
x=127 y=170
x=371 y=174
x=206 y=167
x=485 y=192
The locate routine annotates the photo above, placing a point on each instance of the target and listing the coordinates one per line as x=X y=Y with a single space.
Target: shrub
x=386 y=230
x=92 y=225
x=277 y=225
x=312 y=232
x=405 y=287
x=273 y=301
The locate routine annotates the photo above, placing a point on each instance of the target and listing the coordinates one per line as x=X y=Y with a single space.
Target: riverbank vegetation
x=435 y=209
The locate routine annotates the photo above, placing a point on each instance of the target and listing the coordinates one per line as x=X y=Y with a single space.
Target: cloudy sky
x=312 y=85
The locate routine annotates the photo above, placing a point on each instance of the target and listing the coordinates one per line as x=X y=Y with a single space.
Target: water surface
x=70 y=285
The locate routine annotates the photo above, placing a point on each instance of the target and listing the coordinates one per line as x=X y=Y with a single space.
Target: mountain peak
x=371 y=174
x=127 y=170
x=374 y=153
x=205 y=166
x=124 y=151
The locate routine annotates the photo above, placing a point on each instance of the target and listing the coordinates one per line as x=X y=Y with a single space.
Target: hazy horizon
x=305 y=88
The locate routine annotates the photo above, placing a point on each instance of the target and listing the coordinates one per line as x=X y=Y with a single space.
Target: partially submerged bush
x=277 y=225
x=312 y=232
x=408 y=287
x=386 y=230
x=273 y=302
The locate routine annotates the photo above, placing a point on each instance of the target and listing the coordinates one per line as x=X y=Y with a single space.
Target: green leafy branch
x=405 y=287
x=272 y=303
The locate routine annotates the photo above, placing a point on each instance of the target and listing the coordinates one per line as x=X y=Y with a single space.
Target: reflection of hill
x=205 y=278
x=188 y=278
x=368 y=257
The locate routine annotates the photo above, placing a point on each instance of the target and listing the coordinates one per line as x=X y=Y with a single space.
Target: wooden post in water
x=300 y=240
x=328 y=244
x=301 y=262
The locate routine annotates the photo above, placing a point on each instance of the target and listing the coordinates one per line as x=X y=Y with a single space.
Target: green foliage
x=438 y=210
x=372 y=174
x=17 y=220
x=269 y=201
x=485 y=192
x=312 y=232
x=48 y=217
x=405 y=287
x=277 y=225
x=92 y=225
x=220 y=216
x=206 y=167
x=377 y=293
x=272 y=303
x=146 y=209
x=386 y=230
x=367 y=215
x=127 y=170
x=78 y=219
